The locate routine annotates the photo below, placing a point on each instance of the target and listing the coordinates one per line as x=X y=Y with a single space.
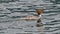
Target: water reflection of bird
x=39 y=23
x=39 y=12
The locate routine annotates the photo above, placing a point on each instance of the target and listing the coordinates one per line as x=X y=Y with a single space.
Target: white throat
x=40 y=16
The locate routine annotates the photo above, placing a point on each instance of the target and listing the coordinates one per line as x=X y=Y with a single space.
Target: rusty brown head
x=39 y=11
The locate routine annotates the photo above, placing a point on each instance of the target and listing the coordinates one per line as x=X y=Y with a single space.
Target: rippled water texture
x=12 y=11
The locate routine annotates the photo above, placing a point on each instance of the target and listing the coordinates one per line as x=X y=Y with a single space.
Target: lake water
x=12 y=11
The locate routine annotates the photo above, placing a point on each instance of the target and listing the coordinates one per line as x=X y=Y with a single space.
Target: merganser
x=39 y=12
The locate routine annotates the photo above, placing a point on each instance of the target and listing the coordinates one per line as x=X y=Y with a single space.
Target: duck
x=39 y=13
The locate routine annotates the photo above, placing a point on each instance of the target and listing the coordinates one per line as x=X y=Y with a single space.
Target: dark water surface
x=12 y=11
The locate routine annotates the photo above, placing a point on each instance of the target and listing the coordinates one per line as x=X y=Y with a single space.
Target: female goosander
x=39 y=12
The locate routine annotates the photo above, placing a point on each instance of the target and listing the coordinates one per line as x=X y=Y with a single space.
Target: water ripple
x=12 y=11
